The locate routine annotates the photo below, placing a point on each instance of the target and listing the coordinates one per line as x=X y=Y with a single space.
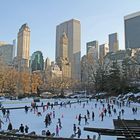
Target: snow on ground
x=66 y=114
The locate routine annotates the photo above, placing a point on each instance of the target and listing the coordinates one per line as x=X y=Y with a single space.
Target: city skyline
x=43 y=17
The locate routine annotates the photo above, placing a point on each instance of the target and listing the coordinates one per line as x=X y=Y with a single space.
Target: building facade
x=132 y=30
x=63 y=60
x=7 y=52
x=72 y=28
x=92 y=49
x=47 y=63
x=113 y=42
x=23 y=47
x=103 y=50
x=37 y=61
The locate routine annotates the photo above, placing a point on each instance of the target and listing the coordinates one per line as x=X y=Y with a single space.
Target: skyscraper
x=23 y=47
x=7 y=52
x=62 y=60
x=92 y=49
x=37 y=62
x=72 y=28
x=103 y=50
x=132 y=30
x=113 y=42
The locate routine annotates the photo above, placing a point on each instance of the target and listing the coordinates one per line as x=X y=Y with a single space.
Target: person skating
x=21 y=128
x=8 y=116
x=1 y=122
x=88 y=137
x=26 y=109
x=79 y=119
x=114 y=110
x=48 y=133
x=105 y=111
x=57 y=130
x=93 y=115
x=102 y=116
x=122 y=112
x=85 y=117
x=74 y=128
x=78 y=132
x=3 y=111
x=10 y=126
x=88 y=114
x=26 y=129
x=59 y=123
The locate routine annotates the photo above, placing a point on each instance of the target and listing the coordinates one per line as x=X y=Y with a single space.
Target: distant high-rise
x=103 y=50
x=7 y=52
x=132 y=30
x=63 y=60
x=113 y=42
x=47 y=63
x=37 y=62
x=72 y=28
x=92 y=49
x=23 y=47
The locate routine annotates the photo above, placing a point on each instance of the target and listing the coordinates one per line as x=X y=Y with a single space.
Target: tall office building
x=47 y=63
x=63 y=60
x=7 y=52
x=103 y=50
x=23 y=47
x=37 y=61
x=72 y=28
x=132 y=30
x=92 y=49
x=113 y=42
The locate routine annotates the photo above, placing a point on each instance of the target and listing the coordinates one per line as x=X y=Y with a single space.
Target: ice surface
x=66 y=114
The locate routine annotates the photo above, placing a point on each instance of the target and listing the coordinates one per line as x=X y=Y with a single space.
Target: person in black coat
x=26 y=129
x=9 y=126
x=21 y=129
x=48 y=133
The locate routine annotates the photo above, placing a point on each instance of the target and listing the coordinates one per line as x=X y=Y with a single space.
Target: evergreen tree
x=114 y=79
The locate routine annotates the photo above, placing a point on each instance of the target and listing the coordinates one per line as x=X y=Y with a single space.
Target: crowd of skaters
x=104 y=111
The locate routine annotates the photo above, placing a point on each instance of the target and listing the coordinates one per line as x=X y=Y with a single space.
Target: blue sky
x=98 y=19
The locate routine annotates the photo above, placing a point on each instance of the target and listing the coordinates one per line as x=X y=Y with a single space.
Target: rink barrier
x=14 y=136
x=11 y=108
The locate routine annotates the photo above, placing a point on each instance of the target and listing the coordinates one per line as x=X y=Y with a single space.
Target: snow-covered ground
x=67 y=115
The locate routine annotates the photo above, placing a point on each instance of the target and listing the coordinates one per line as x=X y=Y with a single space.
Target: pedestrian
x=85 y=117
x=109 y=112
x=26 y=129
x=74 y=128
x=88 y=114
x=88 y=137
x=102 y=116
x=21 y=128
x=136 y=110
x=3 y=111
x=79 y=119
x=122 y=112
x=59 y=123
x=26 y=109
x=95 y=105
x=105 y=111
x=10 y=126
x=57 y=130
x=1 y=122
x=133 y=109
x=114 y=110
x=78 y=132
x=7 y=116
x=53 y=114
x=93 y=115
x=48 y=133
